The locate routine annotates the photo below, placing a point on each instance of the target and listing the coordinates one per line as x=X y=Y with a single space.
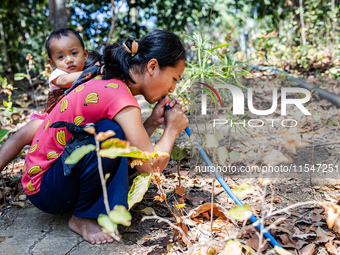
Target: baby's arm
x=66 y=80
x=18 y=141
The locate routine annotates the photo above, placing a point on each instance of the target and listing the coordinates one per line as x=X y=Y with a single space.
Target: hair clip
x=127 y=48
x=134 y=47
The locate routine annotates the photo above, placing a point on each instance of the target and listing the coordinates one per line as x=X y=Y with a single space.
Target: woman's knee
x=105 y=125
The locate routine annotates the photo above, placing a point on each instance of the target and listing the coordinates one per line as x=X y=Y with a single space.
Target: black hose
x=333 y=98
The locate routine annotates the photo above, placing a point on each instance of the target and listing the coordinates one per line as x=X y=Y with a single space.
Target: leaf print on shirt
x=112 y=85
x=91 y=98
x=61 y=137
x=98 y=77
x=63 y=105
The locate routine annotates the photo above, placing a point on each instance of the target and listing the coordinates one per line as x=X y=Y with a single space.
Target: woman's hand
x=157 y=116
x=175 y=118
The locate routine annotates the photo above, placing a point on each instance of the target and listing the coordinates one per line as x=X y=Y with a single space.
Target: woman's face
x=162 y=82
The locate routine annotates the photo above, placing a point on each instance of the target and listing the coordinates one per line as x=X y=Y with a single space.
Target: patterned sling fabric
x=87 y=75
x=54 y=97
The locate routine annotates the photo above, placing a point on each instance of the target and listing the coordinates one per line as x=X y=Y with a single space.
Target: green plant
x=7 y=89
x=334 y=72
x=211 y=65
x=3 y=133
x=179 y=154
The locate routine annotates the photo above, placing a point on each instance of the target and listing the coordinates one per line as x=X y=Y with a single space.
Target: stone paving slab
x=30 y=231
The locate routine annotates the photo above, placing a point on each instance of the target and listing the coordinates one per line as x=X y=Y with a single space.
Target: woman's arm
x=130 y=121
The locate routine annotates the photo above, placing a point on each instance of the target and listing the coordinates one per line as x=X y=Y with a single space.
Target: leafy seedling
x=179 y=154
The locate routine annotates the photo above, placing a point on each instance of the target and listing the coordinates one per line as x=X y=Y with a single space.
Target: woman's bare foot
x=89 y=230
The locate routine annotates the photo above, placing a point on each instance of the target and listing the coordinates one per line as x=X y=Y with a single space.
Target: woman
x=151 y=68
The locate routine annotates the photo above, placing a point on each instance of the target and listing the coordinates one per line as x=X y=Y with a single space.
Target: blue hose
x=228 y=190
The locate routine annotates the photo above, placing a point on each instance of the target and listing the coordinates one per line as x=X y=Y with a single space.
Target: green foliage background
x=245 y=24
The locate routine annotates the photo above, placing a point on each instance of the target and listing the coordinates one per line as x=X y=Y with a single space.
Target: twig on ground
x=285 y=210
x=160 y=219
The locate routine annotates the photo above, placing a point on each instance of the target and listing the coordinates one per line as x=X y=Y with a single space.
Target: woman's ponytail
x=162 y=45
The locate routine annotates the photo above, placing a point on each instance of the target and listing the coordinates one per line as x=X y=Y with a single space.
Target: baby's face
x=67 y=53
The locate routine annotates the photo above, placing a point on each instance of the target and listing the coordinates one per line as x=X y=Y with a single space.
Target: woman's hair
x=92 y=58
x=61 y=32
x=162 y=45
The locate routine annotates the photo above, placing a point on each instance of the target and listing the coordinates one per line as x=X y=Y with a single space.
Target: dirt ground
x=303 y=229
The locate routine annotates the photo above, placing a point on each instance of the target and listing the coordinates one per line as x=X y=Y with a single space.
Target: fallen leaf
x=233 y=247
x=180 y=190
x=332 y=212
x=218 y=190
x=309 y=249
x=288 y=242
x=240 y=213
x=222 y=155
x=276 y=200
x=331 y=249
x=243 y=190
x=218 y=211
x=281 y=251
x=249 y=250
x=234 y=156
x=211 y=141
x=252 y=240
x=2 y=238
x=18 y=204
x=142 y=240
x=178 y=235
x=148 y=210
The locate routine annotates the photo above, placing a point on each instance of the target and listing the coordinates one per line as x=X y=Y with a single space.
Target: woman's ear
x=50 y=61
x=152 y=66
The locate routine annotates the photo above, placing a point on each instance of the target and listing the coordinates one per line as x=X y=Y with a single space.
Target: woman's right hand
x=175 y=118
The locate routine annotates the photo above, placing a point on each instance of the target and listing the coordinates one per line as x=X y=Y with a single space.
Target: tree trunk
x=58 y=14
x=134 y=14
x=303 y=36
x=113 y=21
x=4 y=49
